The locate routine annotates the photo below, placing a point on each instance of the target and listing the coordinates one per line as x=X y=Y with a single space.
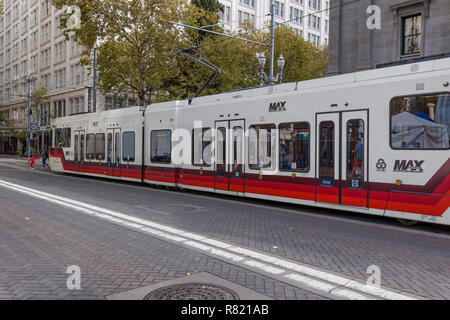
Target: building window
x=411 y=34
x=161 y=145
x=420 y=122
x=109 y=103
x=278 y=9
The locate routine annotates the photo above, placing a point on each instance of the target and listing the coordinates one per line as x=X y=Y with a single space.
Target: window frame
x=403 y=36
x=390 y=120
x=309 y=147
x=170 y=146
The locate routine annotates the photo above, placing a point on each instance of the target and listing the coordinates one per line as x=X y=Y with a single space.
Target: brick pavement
x=412 y=262
x=37 y=244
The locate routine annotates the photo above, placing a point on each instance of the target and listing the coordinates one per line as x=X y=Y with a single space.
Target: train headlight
x=398 y=182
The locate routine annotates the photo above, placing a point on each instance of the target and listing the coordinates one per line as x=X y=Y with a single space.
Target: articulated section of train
x=375 y=142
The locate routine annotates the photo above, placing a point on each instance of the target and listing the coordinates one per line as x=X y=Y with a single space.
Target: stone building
x=32 y=44
x=310 y=18
x=365 y=34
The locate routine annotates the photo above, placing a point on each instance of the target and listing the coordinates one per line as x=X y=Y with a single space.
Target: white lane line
x=382 y=293
x=262 y=266
x=319 y=285
x=237 y=254
x=349 y=294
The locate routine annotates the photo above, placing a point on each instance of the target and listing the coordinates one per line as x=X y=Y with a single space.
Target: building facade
x=310 y=18
x=368 y=33
x=32 y=44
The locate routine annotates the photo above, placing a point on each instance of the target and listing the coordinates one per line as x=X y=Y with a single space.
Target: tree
x=210 y=6
x=239 y=64
x=135 y=41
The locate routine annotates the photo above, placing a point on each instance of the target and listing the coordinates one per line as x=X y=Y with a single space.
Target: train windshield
x=420 y=122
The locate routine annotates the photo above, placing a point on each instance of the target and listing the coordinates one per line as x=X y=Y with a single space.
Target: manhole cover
x=192 y=291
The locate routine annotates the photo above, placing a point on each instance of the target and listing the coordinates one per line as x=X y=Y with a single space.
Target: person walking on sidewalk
x=44 y=157
x=31 y=161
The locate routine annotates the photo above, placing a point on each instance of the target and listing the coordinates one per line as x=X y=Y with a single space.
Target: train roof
x=331 y=81
x=303 y=86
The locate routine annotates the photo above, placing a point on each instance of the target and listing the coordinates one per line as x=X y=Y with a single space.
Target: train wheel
x=407 y=222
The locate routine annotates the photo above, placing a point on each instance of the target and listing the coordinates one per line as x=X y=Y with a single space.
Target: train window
x=261 y=140
x=355 y=154
x=128 y=146
x=294 y=146
x=117 y=148
x=326 y=153
x=420 y=122
x=221 y=152
x=201 y=142
x=76 y=152
x=90 y=146
x=237 y=152
x=161 y=146
x=109 y=142
x=100 y=146
x=62 y=138
x=82 y=148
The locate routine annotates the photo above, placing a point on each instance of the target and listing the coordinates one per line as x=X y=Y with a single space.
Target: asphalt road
x=39 y=239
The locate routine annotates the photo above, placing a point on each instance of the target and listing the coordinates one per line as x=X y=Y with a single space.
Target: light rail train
x=375 y=142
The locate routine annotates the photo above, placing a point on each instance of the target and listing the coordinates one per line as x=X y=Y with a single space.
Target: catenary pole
x=272 y=40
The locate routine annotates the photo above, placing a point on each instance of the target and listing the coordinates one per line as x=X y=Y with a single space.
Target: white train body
x=374 y=142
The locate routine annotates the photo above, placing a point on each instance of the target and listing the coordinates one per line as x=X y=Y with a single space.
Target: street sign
x=34 y=127
x=43 y=128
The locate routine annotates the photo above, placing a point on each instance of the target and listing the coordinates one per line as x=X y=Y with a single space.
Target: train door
x=113 y=152
x=229 y=155
x=79 y=150
x=342 y=153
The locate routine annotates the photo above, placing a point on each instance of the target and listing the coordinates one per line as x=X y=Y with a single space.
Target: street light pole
x=267 y=78
x=272 y=41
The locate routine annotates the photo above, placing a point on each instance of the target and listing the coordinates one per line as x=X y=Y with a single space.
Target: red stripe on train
x=384 y=197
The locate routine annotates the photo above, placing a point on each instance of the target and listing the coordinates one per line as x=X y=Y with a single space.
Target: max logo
x=408 y=166
x=277 y=106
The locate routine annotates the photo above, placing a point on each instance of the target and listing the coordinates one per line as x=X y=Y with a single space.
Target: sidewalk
x=37 y=163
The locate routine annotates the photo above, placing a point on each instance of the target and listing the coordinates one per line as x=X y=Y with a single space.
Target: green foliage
x=210 y=6
x=239 y=64
x=136 y=43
